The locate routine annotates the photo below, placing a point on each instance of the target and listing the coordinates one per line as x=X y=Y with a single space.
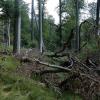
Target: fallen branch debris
x=76 y=71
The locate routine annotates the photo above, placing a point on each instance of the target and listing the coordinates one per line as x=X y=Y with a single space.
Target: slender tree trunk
x=37 y=26
x=77 y=26
x=8 y=32
x=43 y=14
x=97 y=17
x=17 y=28
x=32 y=20
x=16 y=15
x=40 y=26
x=3 y=32
x=97 y=23
x=60 y=22
x=19 y=35
x=5 y=35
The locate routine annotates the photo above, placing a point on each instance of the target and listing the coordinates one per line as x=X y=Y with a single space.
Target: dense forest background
x=71 y=49
x=42 y=26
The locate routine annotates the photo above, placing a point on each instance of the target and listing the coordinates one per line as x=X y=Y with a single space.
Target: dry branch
x=65 y=69
x=68 y=70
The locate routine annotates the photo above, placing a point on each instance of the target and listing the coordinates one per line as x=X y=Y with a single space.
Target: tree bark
x=9 y=32
x=32 y=20
x=60 y=22
x=17 y=28
x=40 y=26
x=77 y=26
x=5 y=38
x=97 y=17
x=19 y=35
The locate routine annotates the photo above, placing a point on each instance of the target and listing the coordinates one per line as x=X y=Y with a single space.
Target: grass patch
x=9 y=63
x=14 y=87
x=17 y=88
x=71 y=96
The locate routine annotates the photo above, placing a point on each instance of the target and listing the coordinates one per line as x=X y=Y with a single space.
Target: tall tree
x=17 y=28
x=32 y=20
x=71 y=10
x=8 y=31
x=7 y=14
x=40 y=26
x=77 y=25
x=97 y=16
x=60 y=21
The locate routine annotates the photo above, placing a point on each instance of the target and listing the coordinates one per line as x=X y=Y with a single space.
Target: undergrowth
x=15 y=87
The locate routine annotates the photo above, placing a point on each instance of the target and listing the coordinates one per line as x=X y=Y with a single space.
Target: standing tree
x=71 y=19
x=97 y=16
x=77 y=25
x=7 y=15
x=17 y=28
x=40 y=26
x=32 y=20
x=60 y=21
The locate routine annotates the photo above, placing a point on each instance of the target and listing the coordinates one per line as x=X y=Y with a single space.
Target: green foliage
x=9 y=63
x=25 y=29
x=33 y=44
x=14 y=87
x=70 y=7
x=90 y=48
x=49 y=33
x=17 y=88
x=87 y=32
x=71 y=96
x=8 y=10
x=68 y=26
x=92 y=9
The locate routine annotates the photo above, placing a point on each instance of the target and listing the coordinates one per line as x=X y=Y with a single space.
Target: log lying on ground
x=64 y=69
x=68 y=70
x=51 y=65
x=84 y=75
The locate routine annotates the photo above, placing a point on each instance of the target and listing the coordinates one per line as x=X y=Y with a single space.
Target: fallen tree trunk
x=64 y=69
x=68 y=70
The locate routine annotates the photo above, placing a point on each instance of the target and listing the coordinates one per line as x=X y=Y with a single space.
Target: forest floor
x=18 y=80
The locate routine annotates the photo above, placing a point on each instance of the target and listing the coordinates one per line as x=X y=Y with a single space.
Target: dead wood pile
x=80 y=77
